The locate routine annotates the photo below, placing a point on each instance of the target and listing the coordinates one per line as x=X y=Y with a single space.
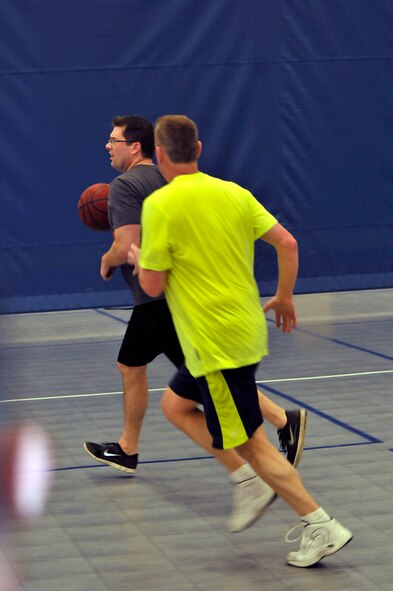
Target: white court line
x=337 y=375
x=327 y=377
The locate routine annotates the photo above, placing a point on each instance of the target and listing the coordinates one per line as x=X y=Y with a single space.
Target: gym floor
x=165 y=528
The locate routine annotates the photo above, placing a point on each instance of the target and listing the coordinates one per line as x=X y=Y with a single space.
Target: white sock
x=318 y=516
x=245 y=472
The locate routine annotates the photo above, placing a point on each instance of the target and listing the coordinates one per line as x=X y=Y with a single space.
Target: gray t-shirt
x=126 y=195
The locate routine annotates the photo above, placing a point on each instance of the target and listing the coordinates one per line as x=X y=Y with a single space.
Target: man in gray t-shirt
x=126 y=196
x=150 y=330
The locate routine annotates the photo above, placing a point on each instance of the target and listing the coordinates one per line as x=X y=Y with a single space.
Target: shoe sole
x=343 y=541
x=255 y=518
x=111 y=464
x=302 y=433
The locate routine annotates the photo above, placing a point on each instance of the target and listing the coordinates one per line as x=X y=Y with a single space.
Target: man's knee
x=255 y=444
x=174 y=407
x=168 y=404
x=132 y=372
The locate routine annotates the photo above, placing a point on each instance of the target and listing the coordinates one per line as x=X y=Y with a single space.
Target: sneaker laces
x=291 y=540
x=283 y=439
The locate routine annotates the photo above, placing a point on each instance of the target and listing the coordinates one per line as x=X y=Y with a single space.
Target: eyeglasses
x=113 y=140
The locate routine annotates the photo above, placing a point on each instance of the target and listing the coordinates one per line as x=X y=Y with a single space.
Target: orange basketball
x=93 y=207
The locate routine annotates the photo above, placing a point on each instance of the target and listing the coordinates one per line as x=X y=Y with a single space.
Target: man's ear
x=136 y=146
x=199 y=148
x=159 y=154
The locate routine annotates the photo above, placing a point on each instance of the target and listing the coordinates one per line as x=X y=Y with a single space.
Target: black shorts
x=149 y=333
x=230 y=401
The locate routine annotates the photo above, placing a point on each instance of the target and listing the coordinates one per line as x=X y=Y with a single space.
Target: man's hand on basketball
x=133 y=257
x=284 y=309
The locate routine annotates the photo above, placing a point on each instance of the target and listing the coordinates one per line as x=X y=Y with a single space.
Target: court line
x=326 y=321
x=46 y=344
x=340 y=342
x=297 y=402
x=193 y=458
x=66 y=396
x=328 y=376
x=305 y=330
x=109 y=315
x=272 y=381
x=323 y=415
x=349 y=345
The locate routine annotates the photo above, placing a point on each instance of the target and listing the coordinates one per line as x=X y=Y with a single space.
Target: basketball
x=93 y=207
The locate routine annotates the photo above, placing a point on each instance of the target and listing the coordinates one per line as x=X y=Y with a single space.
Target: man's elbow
x=151 y=282
x=152 y=290
x=287 y=245
x=291 y=244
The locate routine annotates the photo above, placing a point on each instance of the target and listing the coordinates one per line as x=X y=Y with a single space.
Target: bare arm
x=287 y=257
x=152 y=282
x=117 y=254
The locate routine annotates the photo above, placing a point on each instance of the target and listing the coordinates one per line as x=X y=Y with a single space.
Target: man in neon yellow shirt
x=198 y=244
x=219 y=325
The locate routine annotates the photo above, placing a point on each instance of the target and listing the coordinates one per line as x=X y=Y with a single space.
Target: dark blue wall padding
x=293 y=100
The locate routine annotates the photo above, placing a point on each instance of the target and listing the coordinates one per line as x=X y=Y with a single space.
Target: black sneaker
x=292 y=435
x=112 y=455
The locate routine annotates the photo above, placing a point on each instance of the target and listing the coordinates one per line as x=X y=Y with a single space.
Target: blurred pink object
x=25 y=462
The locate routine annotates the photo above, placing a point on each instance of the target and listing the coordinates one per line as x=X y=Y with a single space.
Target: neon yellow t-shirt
x=202 y=231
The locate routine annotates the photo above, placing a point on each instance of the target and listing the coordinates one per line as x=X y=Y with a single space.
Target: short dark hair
x=137 y=129
x=178 y=136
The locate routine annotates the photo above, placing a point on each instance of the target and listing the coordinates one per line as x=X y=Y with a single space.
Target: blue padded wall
x=292 y=99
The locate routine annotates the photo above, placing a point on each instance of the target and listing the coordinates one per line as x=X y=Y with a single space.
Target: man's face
x=120 y=153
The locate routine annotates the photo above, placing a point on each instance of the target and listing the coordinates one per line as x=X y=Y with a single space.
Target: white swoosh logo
x=108 y=454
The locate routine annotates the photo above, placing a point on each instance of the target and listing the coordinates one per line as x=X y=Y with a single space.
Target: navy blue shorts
x=230 y=401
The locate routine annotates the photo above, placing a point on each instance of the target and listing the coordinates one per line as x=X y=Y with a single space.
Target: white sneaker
x=249 y=501
x=317 y=541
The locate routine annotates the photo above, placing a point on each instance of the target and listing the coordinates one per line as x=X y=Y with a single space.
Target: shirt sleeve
x=125 y=204
x=155 y=252
x=263 y=220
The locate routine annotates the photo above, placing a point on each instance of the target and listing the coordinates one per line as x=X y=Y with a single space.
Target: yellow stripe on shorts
x=232 y=429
